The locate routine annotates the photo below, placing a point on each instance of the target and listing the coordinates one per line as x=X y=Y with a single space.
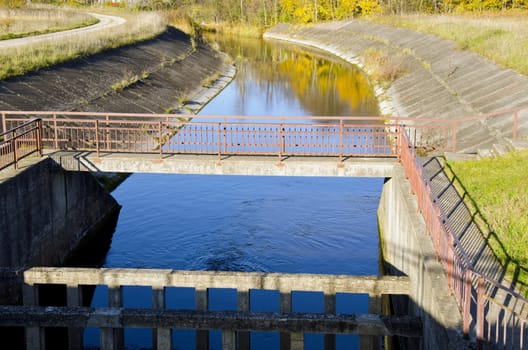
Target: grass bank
x=497 y=192
x=138 y=27
x=19 y=23
x=501 y=37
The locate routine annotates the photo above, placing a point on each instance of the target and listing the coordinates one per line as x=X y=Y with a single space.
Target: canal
x=270 y=224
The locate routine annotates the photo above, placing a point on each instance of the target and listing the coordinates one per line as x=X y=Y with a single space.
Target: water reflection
x=271 y=224
x=292 y=81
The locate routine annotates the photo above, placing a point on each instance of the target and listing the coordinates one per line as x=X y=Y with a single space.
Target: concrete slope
x=155 y=76
x=439 y=80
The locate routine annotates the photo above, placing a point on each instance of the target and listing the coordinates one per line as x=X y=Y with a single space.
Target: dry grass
x=18 y=23
x=501 y=37
x=139 y=26
x=382 y=67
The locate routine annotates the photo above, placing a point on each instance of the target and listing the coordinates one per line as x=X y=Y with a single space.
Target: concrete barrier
x=45 y=213
x=408 y=250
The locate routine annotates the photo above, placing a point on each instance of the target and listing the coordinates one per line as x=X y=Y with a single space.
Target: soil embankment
x=438 y=80
x=156 y=76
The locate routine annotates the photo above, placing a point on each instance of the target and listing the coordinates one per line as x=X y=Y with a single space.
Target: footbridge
x=493 y=314
x=243 y=145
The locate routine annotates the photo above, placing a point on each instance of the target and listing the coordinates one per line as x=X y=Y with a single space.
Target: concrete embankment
x=45 y=212
x=438 y=80
x=408 y=250
x=160 y=75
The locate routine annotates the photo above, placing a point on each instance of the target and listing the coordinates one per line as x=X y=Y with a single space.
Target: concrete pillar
x=289 y=341
x=329 y=308
x=34 y=335
x=243 y=300
x=75 y=335
x=229 y=340
x=369 y=342
x=113 y=338
x=202 y=303
x=161 y=337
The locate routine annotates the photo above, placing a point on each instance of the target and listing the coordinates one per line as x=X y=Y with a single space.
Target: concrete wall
x=45 y=212
x=407 y=249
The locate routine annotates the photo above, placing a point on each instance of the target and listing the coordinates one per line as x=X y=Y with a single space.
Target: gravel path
x=105 y=22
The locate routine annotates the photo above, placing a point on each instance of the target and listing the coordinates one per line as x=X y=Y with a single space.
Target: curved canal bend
x=271 y=224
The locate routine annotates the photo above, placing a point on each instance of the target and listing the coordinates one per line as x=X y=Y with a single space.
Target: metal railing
x=20 y=142
x=235 y=324
x=282 y=136
x=492 y=313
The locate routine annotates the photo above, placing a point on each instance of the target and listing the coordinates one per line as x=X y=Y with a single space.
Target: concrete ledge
x=407 y=249
x=229 y=165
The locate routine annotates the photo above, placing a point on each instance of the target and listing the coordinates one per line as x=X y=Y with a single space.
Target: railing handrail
x=481 y=293
x=218 y=279
x=21 y=126
x=396 y=119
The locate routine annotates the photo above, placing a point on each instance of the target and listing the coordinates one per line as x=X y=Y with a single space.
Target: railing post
x=161 y=337
x=39 y=136
x=329 y=309
x=34 y=335
x=285 y=306
x=480 y=311
x=97 y=137
x=243 y=301
x=289 y=341
x=113 y=338
x=14 y=148
x=55 y=132
x=201 y=296
x=225 y=136
x=75 y=335
x=160 y=127
x=219 y=142
x=371 y=341
x=281 y=141
x=340 y=141
x=4 y=123
x=467 y=302
x=108 y=133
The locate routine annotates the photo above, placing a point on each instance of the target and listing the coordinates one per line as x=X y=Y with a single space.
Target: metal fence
x=20 y=142
x=495 y=315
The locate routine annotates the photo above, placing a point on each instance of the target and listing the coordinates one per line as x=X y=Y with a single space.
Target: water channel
x=271 y=224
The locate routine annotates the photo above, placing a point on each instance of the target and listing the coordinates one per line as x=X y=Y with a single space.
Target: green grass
x=501 y=37
x=498 y=191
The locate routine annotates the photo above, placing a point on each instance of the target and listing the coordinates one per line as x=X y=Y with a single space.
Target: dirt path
x=105 y=22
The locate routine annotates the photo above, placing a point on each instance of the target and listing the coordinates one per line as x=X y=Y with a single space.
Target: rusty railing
x=20 y=142
x=492 y=313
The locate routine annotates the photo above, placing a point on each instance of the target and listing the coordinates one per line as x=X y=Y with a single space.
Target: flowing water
x=242 y=223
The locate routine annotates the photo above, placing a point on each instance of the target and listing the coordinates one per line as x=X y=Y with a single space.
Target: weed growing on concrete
x=382 y=67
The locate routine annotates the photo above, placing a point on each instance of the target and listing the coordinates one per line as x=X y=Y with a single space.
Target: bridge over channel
x=317 y=146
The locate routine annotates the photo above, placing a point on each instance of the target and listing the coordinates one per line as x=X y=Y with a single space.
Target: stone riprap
x=438 y=81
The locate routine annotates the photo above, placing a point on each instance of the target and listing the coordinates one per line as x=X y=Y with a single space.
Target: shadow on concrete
x=484 y=248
